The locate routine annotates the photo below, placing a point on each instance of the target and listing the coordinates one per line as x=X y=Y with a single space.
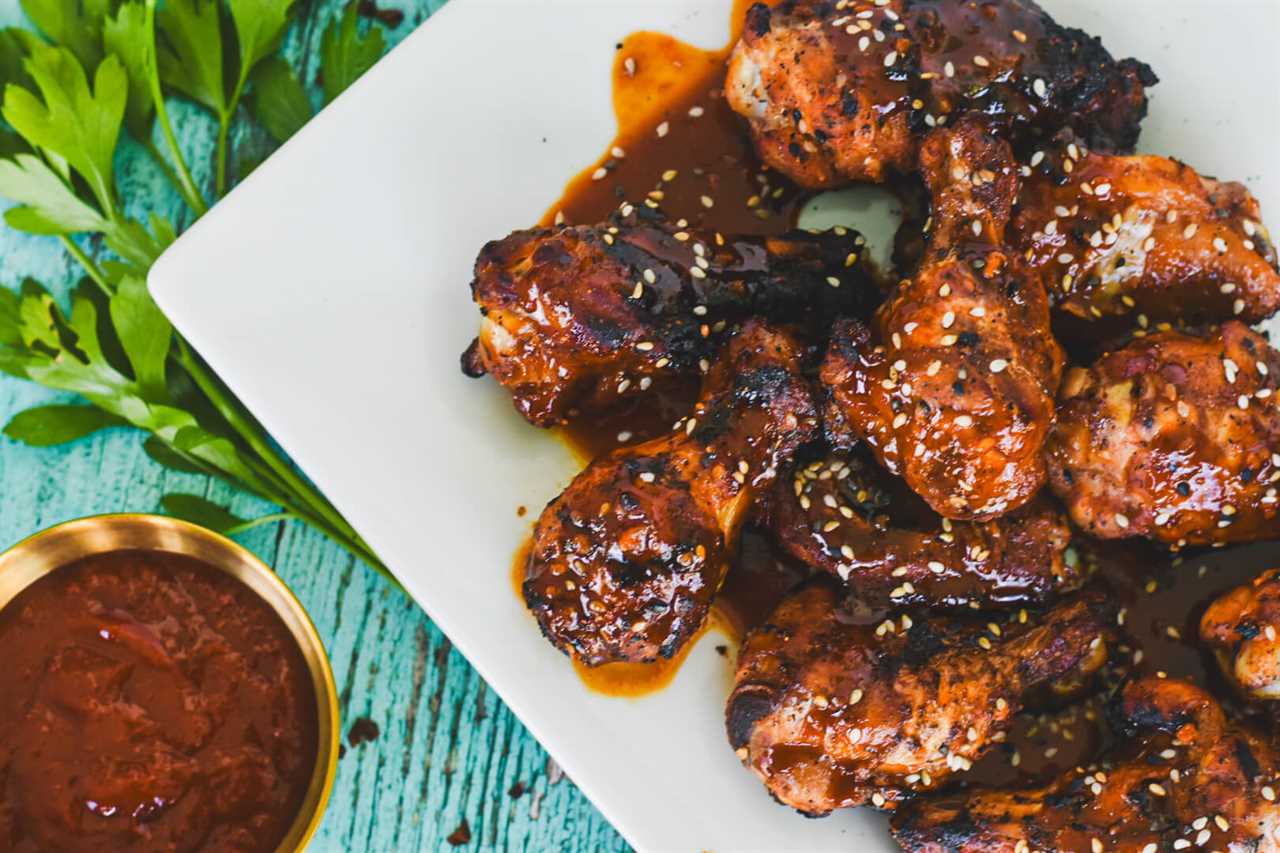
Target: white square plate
x=330 y=292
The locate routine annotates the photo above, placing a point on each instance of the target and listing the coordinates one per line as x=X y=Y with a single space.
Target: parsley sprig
x=97 y=75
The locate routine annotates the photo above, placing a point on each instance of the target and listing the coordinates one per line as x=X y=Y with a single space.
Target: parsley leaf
x=259 y=26
x=201 y=511
x=74 y=24
x=77 y=124
x=49 y=205
x=345 y=54
x=46 y=426
x=125 y=35
x=190 y=53
x=15 y=44
x=278 y=100
x=145 y=334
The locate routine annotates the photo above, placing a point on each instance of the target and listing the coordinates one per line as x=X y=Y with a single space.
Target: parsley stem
x=91 y=269
x=258 y=522
x=190 y=192
x=220 y=153
x=192 y=201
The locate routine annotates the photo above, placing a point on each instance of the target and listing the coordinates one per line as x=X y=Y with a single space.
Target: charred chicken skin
x=1242 y=627
x=1144 y=238
x=626 y=561
x=1188 y=780
x=840 y=92
x=577 y=318
x=953 y=387
x=1175 y=437
x=831 y=710
x=846 y=516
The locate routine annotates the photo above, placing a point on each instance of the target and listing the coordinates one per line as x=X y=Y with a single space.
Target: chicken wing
x=1174 y=437
x=839 y=92
x=953 y=389
x=830 y=710
x=846 y=516
x=577 y=318
x=1144 y=238
x=1242 y=627
x=1188 y=779
x=625 y=562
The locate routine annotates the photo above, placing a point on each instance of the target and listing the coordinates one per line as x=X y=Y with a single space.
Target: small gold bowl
x=37 y=556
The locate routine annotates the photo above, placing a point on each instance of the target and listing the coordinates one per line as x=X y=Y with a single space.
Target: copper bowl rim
x=42 y=553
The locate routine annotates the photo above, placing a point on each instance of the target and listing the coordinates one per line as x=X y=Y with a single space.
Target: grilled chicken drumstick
x=953 y=388
x=1187 y=779
x=1242 y=627
x=1144 y=237
x=577 y=318
x=832 y=711
x=839 y=92
x=1175 y=437
x=845 y=515
x=625 y=562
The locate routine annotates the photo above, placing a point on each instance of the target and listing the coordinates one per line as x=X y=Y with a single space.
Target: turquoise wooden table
x=433 y=760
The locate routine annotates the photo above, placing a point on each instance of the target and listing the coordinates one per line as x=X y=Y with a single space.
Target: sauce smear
x=149 y=701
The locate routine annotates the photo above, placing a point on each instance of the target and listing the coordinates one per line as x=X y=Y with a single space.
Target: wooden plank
x=447 y=750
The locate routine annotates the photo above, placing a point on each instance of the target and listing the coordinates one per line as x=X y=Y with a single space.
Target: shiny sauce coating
x=677 y=142
x=149 y=701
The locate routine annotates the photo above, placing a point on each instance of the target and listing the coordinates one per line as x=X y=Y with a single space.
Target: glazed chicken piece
x=1242 y=627
x=1144 y=239
x=1186 y=779
x=625 y=562
x=953 y=387
x=578 y=318
x=1174 y=437
x=832 y=710
x=840 y=92
x=845 y=515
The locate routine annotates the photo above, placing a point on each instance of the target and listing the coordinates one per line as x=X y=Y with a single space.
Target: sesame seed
x=863 y=43
x=1122 y=520
x=617 y=152
x=647 y=476
x=998 y=365
x=1237 y=307
x=981 y=61
x=949 y=69
x=696 y=111
x=663 y=129
x=1040 y=88
x=833 y=281
x=599 y=174
x=1221 y=822
x=948 y=340
x=890 y=59
x=964 y=421
x=1096 y=845
x=1242 y=401
x=1268 y=793
x=1157 y=789
x=1202 y=837
x=707 y=201
x=1190 y=231
x=948 y=319
x=644 y=346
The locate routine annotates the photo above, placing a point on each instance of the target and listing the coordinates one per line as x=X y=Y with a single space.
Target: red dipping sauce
x=149 y=701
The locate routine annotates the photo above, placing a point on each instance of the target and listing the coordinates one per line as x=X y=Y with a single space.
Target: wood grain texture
x=448 y=750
